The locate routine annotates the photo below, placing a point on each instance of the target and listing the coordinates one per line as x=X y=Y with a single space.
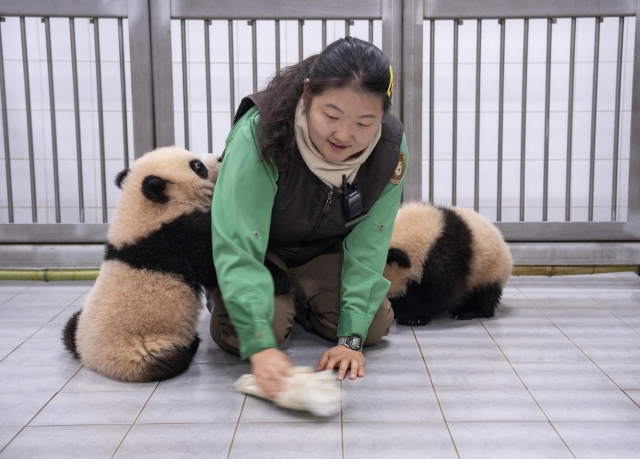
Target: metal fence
x=560 y=193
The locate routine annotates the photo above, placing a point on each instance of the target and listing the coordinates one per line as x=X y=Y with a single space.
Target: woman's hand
x=343 y=358
x=270 y=368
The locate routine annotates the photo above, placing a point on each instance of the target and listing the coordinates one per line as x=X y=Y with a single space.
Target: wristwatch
x=353 y=342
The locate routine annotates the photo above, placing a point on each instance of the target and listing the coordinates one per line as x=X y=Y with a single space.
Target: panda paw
x=414 y=322
x=468 y=315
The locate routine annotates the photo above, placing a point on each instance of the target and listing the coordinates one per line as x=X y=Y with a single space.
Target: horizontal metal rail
x=276 y=9
x=500 y=9
x=66 y=8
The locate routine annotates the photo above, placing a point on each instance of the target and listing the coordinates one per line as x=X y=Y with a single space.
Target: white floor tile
x=489 y=405
x=287 y=441
x=587 y=405
x=413 y=405
x=177 y=441
x=407 y=440
x=66 y=442
x=601 y=440
x=507 y=440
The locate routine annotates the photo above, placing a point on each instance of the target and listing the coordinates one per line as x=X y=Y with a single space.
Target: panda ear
x=153 y=189
x=399 y=257
x=121 y=176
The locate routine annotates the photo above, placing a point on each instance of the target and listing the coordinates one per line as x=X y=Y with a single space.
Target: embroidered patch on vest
x=400 y=168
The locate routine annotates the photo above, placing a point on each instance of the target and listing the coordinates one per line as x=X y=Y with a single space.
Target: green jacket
x=240 y=221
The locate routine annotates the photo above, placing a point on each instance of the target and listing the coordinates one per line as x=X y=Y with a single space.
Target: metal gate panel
x=136 y=13
x=419 y=17
x=404 y=25
x=389 y=12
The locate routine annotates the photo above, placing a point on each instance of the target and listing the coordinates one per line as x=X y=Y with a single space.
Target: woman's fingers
x=343 y=358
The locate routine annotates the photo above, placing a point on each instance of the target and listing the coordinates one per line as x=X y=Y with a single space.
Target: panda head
x=416 y=229
x=161 y=186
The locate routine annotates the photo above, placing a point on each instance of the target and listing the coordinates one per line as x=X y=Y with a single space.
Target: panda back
x=491 y=260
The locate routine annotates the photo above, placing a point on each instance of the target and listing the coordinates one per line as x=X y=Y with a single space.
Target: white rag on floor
x=306 y=390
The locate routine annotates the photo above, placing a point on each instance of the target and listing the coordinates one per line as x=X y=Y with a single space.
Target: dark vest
x=304 y=221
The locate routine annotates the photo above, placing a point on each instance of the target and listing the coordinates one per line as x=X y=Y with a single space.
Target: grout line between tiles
x=235 y=431
x=342 y=416
x=135 y=420
x=40 y=410
x=433 y=387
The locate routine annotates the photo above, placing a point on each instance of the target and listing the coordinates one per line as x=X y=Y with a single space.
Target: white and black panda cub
x=445 y=259
x=139 y=320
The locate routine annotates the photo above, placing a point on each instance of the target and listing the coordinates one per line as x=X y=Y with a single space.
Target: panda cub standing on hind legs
x=139 y=320
x=445 y=259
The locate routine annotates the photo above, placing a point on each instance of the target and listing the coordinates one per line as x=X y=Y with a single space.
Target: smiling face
x=342 y=122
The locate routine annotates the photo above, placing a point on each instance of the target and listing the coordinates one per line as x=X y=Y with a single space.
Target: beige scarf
x=330 y=173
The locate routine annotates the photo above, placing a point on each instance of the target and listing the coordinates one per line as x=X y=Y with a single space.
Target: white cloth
x=330 y=173
x=306 y=390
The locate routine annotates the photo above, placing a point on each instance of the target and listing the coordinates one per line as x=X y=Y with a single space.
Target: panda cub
x=445 y=259
x=139 y=320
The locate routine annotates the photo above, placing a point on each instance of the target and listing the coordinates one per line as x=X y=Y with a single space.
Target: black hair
x=347 y=62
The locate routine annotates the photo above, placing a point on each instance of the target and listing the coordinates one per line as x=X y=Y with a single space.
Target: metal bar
x=594 y=112
x=143 y=74
x=406 y=46
x=185 y=83
x=207 y=63
x=161 y=63
x=76 y=110
x=324 y=33
x=432 y=48
x=27 y=93
x=547 y=104
x=52 y=112
x=346 y=28
x=254 y=54
x=278 y=46
x=464 y=9
x=616 y=128
x=523 y=123
x=500 y=118
x=123 y=96
x=392 y=45
x=5 y=131
x=454 y=140
x=232 y=73
x=476 y=177
x=103 y=179
x=572 y=68
x=371 y=31
x=300 y=41
x=633 y=195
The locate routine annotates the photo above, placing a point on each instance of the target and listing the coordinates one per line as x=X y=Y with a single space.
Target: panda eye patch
x=199 y=168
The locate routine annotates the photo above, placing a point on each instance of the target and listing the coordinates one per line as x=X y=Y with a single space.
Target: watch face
x=354 y=342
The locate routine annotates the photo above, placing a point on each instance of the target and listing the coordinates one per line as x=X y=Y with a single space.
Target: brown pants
x=316 y=286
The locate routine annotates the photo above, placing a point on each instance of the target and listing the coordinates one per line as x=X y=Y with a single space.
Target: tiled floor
x=555 y=374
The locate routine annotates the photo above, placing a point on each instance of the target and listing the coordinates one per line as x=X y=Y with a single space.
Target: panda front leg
x=407 y=310
x=481 y=302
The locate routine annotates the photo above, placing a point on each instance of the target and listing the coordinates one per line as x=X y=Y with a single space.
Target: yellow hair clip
x=390 y=82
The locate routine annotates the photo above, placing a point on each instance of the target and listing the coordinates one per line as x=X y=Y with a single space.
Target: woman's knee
x=381 y=324
x=283 y=317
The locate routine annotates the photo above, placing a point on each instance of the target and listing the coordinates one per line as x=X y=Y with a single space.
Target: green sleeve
x=240 y=221
x=365 y=255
